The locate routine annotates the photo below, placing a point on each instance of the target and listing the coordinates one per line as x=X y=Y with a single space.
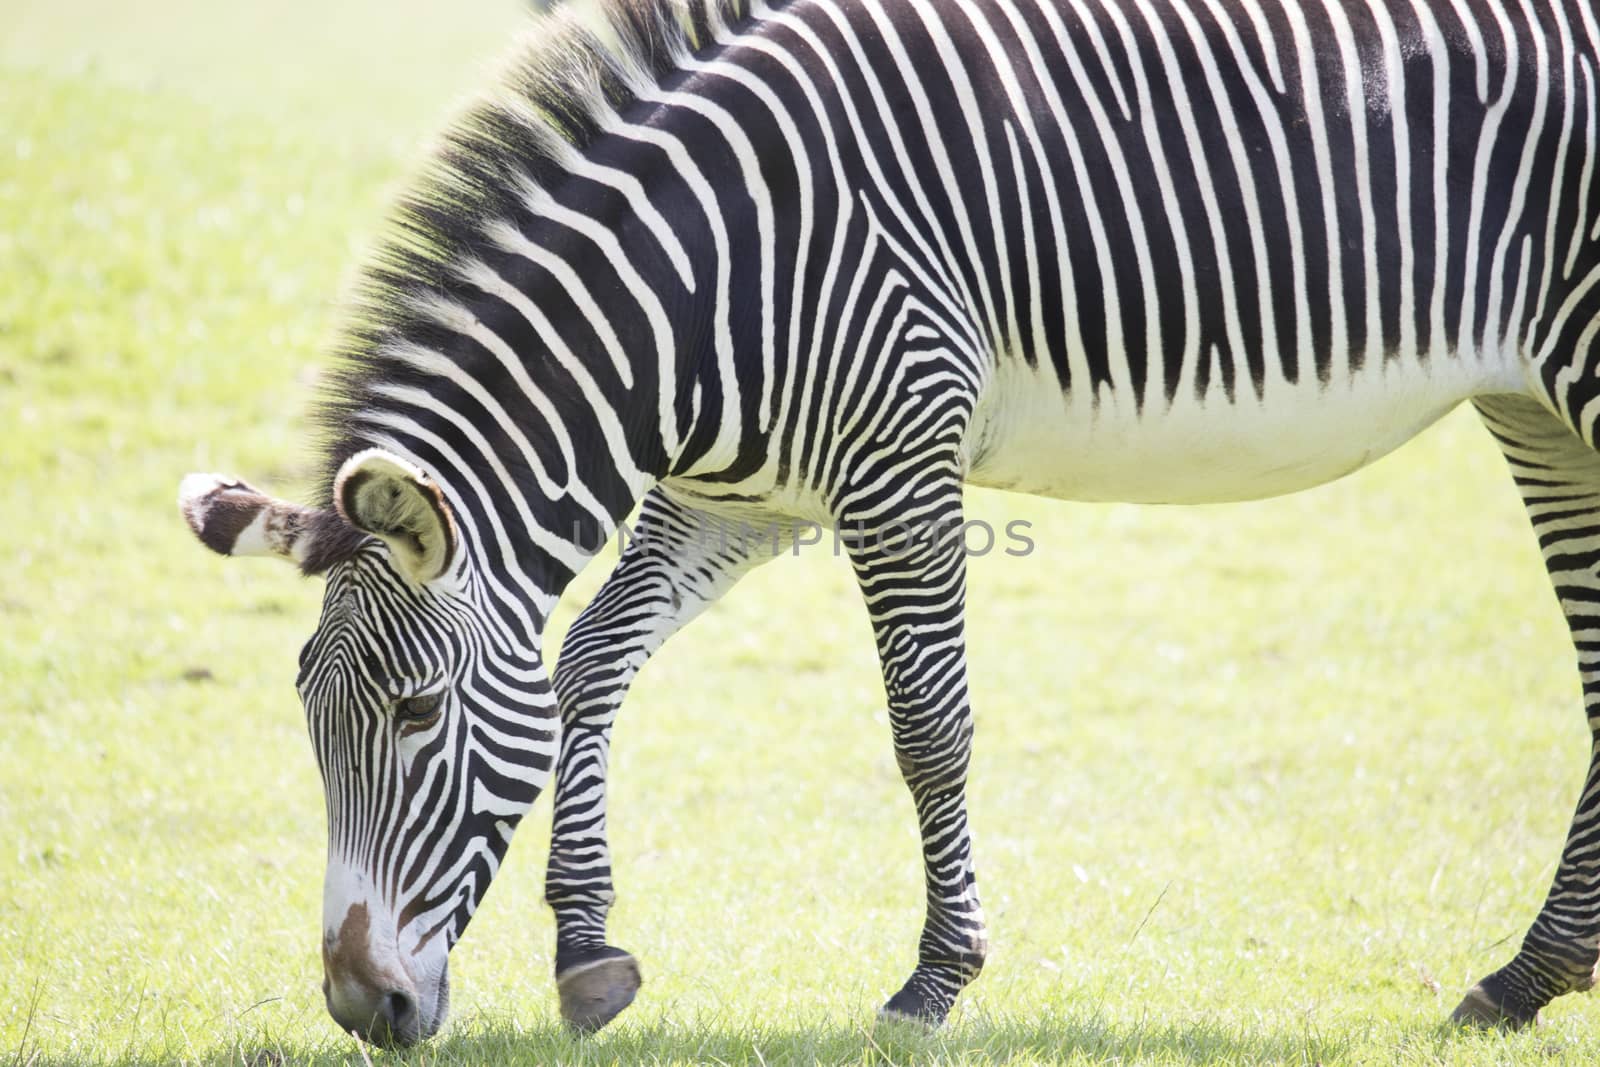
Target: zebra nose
x=386 y=1016
x=400 y=1010
x=394 y=1024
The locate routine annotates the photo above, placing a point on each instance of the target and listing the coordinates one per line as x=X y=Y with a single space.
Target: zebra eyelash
x=420 y=709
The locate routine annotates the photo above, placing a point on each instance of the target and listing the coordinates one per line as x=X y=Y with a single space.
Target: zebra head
x=430 y=727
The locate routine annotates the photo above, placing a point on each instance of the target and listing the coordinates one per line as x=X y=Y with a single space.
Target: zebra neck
x=561 y=321
x=560 y=374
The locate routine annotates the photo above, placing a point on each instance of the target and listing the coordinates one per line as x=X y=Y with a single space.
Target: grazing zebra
x=824 y=262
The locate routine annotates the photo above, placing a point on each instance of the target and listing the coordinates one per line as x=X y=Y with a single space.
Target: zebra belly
x=1029 y=436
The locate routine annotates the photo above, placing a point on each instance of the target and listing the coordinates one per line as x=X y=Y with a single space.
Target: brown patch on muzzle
x=368 y=989
x=345 y=955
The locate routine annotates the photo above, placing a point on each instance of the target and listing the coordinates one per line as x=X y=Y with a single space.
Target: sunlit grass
x=1270 y=783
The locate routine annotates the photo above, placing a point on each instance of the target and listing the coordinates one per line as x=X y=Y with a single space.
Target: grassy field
x=1270 y=783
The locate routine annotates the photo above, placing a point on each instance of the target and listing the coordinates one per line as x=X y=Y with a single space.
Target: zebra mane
x=551 y=100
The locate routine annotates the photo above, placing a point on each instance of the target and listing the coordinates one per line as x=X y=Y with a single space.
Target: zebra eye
x=418 y=709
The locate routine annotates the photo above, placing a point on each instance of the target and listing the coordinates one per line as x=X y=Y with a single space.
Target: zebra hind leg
x=679 y=561
x=1558 y=476
x=915 y=589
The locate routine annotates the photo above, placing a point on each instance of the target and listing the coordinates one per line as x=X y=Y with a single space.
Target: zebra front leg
x=679 y=561
x=915 y=594
x=1558 y=476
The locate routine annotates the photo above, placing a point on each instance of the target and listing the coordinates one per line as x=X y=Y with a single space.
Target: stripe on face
x=420 y=811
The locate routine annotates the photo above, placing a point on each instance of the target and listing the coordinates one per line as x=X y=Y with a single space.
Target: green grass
x=1258 y=784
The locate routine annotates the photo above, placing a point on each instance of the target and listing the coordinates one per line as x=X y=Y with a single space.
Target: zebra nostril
x=398 y=1009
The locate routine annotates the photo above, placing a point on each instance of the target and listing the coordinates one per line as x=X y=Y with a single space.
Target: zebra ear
x=235 y=519
x=383 y=495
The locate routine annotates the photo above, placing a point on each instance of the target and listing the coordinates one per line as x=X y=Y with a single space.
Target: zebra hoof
x=909 y=1008
x=596 y=991
x=1483 y=1008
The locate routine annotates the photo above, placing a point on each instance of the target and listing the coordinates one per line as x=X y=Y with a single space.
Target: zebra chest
x=1029 y=436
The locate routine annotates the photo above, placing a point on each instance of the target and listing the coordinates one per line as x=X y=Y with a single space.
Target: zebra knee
x=933 y=750
x=598 y=661
x=577 y=683
x=932 y=773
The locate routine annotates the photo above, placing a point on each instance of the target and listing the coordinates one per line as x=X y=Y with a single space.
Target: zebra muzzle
x=371 y=993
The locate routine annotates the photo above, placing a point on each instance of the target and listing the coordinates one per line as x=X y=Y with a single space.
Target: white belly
x=1029 y=437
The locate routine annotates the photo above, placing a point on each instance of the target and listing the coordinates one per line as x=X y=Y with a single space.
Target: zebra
x=828 y=262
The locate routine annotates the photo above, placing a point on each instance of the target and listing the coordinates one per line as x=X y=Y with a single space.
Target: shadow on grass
x=974 y=1041
x=976 y=1038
